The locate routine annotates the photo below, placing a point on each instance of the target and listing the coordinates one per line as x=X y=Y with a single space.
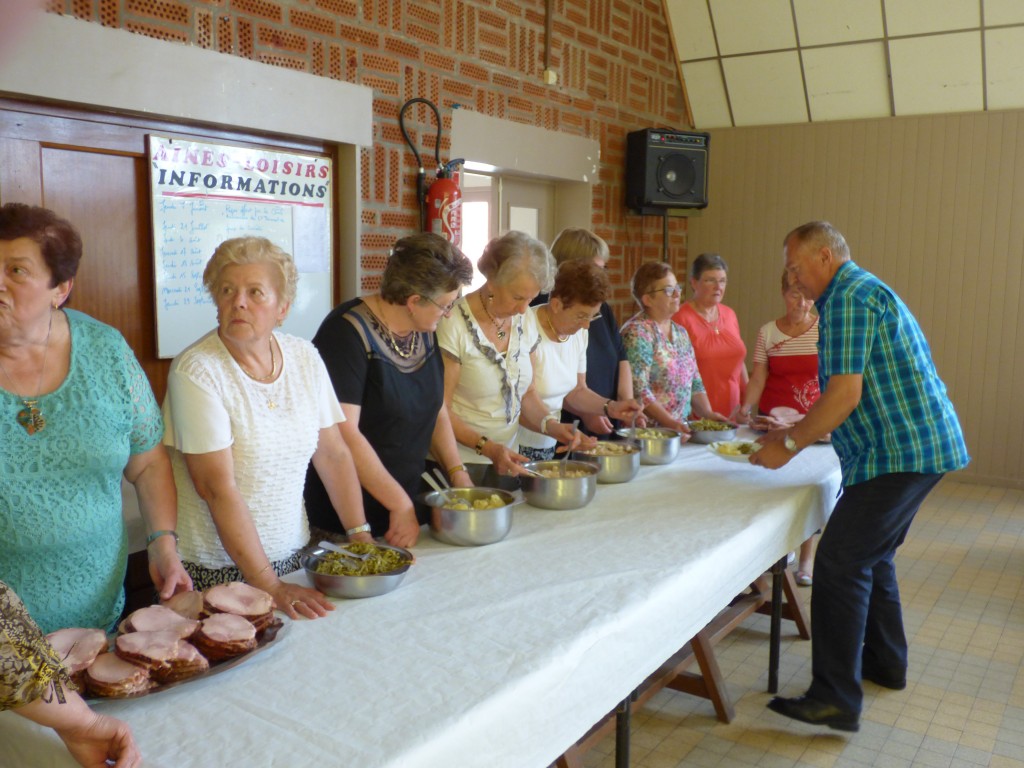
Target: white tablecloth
x=491 y=656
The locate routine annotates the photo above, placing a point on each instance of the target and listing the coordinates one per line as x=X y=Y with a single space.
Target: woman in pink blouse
x=665 y=376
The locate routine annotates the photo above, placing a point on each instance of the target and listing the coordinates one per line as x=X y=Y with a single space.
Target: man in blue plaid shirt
x=896 y=434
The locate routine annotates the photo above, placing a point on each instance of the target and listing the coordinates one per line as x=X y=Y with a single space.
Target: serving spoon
x=342 y=551
x=565 y=457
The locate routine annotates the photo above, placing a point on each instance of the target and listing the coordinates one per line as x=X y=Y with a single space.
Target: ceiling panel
x=941 y=73
x=847 y=82
x=1004 y=67
x=912 y=17
x=746 y=26
x=706 y=92
x=854 y=58
x=766 y=89
x=820 y=22
x=691 y=27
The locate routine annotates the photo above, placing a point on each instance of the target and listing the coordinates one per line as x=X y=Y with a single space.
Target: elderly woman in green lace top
x=76 y=415
x=34 y=684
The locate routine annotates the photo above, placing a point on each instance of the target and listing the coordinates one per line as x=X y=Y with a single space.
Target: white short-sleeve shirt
x=272 y=430
x=557 y=366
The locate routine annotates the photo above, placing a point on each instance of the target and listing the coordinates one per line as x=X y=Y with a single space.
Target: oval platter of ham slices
x=191 y=636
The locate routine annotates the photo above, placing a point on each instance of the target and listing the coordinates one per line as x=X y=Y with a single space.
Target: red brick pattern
x=613 y=59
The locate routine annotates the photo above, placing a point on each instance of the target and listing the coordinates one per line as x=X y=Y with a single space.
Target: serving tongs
x=442 y=490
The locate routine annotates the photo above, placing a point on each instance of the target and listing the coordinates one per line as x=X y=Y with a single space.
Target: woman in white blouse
x=486 y=344
x=246 y=410
x=560 y=359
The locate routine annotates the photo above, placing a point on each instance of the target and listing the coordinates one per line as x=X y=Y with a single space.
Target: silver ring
x=295 y=602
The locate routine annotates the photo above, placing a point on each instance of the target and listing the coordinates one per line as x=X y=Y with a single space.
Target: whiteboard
x=206 y=193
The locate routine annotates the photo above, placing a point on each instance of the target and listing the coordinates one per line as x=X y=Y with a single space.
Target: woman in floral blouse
x=665 y=375
x=32 y=684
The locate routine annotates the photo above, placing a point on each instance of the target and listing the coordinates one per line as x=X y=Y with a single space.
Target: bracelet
x=484 y=440
x=544 y=422
x=606 y=404
x=157 y=534
x=364 y=528
x=456 y=468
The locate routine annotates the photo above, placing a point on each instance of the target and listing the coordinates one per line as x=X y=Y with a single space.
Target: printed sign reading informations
x=204 y=194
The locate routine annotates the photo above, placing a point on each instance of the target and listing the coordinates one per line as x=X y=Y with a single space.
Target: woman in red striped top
x=784 y=384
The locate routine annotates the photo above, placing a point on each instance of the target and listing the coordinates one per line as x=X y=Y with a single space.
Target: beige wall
x=933 y=205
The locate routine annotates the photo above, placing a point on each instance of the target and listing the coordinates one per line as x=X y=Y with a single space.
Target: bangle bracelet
x=456 y=468
x=364 y=528
x=484 y=440
x=157 y=534
x=606 y=404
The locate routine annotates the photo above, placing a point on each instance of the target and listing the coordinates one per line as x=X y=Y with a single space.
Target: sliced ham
x=163 y=653
x=110 y=675
x=224 y=635
x=187 y=604
x=157 y=618
x=242 y=600
x=78 y=647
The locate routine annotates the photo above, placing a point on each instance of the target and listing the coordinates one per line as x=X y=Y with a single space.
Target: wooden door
x=91 y=169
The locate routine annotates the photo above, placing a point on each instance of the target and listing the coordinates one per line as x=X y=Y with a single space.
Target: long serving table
x=492 y=656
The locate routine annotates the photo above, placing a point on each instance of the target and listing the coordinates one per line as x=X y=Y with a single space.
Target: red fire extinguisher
x=441 y=204
x=444 y=205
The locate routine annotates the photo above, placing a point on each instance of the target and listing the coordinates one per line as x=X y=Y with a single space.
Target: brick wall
x=613 y=58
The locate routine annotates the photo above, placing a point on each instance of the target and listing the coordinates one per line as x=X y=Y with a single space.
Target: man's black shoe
x=893 y=679
x=808 y=710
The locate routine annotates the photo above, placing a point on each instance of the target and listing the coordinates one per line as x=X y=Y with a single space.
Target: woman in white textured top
x=560 y=360
x=246 y=410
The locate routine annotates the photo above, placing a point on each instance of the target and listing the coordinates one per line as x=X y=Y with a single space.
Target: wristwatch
x=790 y=444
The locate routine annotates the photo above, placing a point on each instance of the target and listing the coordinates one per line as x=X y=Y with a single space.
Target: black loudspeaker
x=666 y=169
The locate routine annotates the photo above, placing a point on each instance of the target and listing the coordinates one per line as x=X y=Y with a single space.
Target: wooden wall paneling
x=105 y=195
x=933 y=205
x=19 y=171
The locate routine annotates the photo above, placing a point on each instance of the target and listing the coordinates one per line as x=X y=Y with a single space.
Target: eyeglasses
x=668 y=290
x=444 y=310
x=582 y=318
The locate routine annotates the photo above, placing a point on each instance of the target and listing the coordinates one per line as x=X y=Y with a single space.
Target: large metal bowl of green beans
x=338 y=576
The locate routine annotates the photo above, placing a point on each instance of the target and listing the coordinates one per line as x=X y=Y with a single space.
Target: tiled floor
x=961 y=575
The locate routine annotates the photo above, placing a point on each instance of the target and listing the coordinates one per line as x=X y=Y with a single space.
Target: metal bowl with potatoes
x=617 y=461
x=559 y=485
x=658 y=445
x=470 y=517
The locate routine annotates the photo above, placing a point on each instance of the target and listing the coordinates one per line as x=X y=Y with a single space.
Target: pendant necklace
x=411 y=342
x=712 y=325
x=499 y=327
x=559 y=337
x=268 y=378
x=29 y=417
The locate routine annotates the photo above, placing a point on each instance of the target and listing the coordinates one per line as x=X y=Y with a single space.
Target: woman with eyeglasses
x=715 y=334
x=665 y=375
x=487 y=344
x=560 y=360
x=382 y=356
